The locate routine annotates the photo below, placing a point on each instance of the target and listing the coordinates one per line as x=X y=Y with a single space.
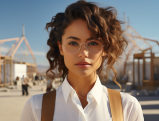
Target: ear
x=60 y=47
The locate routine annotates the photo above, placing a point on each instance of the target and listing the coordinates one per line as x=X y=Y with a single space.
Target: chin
x=83 y=73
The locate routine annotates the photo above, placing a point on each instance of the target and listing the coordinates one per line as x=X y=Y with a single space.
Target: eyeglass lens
x=93 y=47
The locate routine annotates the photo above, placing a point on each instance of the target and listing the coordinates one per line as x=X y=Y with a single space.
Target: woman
x=83 y=40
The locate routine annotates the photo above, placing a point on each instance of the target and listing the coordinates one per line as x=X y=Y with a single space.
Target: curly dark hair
x=102 y=23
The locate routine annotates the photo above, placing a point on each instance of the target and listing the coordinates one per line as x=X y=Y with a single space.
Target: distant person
x=36 y=78
x=84 y=40
x=24 y=86
x=16 y=80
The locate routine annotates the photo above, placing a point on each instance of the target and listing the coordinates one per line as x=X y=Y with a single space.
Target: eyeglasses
x=93 y=46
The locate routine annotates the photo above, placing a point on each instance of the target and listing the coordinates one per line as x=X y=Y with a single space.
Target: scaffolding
x=7 y=61
x=145 y=64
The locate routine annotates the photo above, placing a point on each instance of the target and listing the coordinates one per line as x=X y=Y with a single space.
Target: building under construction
x=11 y=67
x=144 y=63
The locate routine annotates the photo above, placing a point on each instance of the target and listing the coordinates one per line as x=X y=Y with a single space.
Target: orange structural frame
x=14 y=48
x=134 y=37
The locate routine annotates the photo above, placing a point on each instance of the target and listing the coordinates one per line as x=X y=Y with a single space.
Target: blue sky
x=34 y=14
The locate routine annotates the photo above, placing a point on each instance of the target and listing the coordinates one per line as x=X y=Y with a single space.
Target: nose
x=83 y=52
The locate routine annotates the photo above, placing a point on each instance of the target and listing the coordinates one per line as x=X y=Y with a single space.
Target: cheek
x=68 y=60
x=97 y=60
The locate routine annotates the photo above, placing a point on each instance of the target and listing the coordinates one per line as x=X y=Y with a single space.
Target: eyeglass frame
x=85 y=47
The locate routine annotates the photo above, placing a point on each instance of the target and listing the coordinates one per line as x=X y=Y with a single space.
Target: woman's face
x=77 y=31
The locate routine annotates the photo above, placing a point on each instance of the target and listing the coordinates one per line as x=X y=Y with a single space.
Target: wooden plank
x=152 y=68
x=4 y=71
x=0 y=64
x=133 y=73
x=138 y=56
x=138 y=72
x=11 y=71
x=143 y=69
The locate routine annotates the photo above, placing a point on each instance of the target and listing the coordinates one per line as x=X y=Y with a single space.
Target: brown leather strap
x=115 y=105
x=48 y=106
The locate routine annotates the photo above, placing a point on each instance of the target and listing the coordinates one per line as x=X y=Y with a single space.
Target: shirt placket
x=83 y=113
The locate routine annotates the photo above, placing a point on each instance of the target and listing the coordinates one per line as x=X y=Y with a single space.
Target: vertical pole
x=11 y=70
x=29 y=69
x=133 y=73
x=152 y=69
x=138 y=72
x=28 y=72
x=4 y=71
x=0 y=63
x=128 y=21
x=125 y=21
x=143 y=69
x=23 y=30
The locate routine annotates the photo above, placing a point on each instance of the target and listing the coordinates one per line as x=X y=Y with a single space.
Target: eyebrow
x=75 y=38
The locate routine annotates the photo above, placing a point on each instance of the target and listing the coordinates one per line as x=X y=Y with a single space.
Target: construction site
x=25 y=52
x=140 y=64
x=140 y=68
x=16 y=65
x=138 y=72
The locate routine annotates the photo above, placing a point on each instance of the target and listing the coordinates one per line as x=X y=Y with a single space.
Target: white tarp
x=20 y=70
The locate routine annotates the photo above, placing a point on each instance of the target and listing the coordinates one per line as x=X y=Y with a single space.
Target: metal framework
x=138 y=46
x=10 y=54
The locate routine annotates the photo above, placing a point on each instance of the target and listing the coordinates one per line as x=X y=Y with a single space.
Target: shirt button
x=90 y=96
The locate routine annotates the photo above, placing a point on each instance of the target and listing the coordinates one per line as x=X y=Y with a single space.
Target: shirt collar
x=66 y=89
x=96 y=91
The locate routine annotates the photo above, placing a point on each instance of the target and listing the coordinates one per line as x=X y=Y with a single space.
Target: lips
x=83 y=64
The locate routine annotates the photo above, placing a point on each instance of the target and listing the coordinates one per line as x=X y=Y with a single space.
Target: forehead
x=77 y=28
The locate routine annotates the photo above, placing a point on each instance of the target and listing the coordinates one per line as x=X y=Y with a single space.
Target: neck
x=82 y=85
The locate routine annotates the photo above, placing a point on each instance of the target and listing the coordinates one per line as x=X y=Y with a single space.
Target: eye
x=73 y=43
x=93 y=43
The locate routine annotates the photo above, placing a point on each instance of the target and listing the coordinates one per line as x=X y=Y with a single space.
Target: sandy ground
x=12 y=103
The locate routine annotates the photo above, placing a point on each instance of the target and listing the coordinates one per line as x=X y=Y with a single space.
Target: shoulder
x=129 y=101
x=36 y=97
x=131 y=107
x=36 y=101
x=127 y=98
x=32 y=108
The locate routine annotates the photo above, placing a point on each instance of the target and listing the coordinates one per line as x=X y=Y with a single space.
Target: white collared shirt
x=68 y=106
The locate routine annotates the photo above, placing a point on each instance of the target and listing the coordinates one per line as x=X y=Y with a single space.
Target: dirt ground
x=12 y=103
